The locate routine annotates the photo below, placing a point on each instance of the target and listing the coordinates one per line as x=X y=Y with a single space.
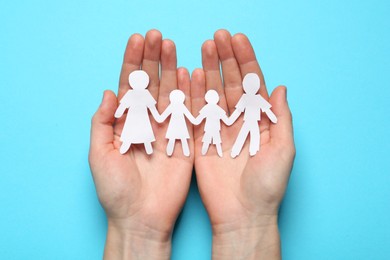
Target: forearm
x=256 y=240
x=128 y=243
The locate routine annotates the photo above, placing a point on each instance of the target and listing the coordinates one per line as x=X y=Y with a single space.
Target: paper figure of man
x=137 y=128
x=177 y=128
x=252 y=104
x=213 y=114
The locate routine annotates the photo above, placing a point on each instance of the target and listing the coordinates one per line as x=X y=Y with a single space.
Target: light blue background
x=57 y=57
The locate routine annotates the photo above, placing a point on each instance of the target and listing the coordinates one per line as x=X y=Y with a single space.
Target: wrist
x=255 y=238
x=135 y=241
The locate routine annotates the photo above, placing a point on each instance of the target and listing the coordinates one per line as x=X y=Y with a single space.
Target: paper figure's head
x=139 y=79
x=251 y=83
x=212 y=97
x=177 y=96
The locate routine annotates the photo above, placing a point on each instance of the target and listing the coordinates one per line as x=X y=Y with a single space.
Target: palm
x=233 y=189
x=149 y=190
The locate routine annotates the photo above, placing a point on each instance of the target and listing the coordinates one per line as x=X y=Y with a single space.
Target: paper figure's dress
x=212 y=126
x=137 y=129
x=177 y=128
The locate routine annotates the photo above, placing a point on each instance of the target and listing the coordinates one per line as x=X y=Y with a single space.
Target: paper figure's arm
x=226 y=120
x=240 y=107
x=233 y=117
x=124 y=103
x=199 y=119
x=164 y=114
x=155 y=114
x=190 y=117
x=266 y=108
x=120 y=110
x=271 y=116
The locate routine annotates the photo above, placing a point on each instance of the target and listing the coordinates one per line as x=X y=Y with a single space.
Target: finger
x=282 y=131
x=168 y=73
x=210 y=62
x=151 y=60
x=102 y=131
x=184 y=84
x=247 y=61
x=230 y=70
x=245 y=55
x=198 y=91
x=131 y=61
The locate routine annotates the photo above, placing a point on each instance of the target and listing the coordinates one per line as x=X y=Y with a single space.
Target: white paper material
x=213 y=114
x=137 y=128
x=177 y=128
x=252 y=105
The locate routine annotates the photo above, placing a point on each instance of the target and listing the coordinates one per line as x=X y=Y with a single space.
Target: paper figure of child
x=213 y=115
x=177 y=128
x=252 y=104
x=137 y=128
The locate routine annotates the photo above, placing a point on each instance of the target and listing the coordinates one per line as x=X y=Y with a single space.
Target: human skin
x=242 y=195
x=141 y=194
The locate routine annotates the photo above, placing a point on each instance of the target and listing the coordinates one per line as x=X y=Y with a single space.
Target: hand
x=242 y=195
x=142 y=195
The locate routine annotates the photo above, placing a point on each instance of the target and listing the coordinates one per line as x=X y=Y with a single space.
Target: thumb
x=102 y=130
x=283 y=129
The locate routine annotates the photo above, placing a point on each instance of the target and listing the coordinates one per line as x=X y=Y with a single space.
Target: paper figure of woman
x=137 y=128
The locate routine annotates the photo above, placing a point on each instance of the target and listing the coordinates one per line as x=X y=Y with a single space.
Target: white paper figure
x=177 y=128
x=213 y=115
x=137 y=128
x=252 y=104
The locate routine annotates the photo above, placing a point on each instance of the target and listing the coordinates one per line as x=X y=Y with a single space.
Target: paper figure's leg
x=124 y=147
x=219 y=149
x=148 y=148
x=205 y=147
x=254 y=145
x=170 y=146
x=239 y=143
x=184 y=145
x=206 y=142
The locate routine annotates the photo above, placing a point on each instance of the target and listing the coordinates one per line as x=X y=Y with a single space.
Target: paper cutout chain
x=138 y=129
